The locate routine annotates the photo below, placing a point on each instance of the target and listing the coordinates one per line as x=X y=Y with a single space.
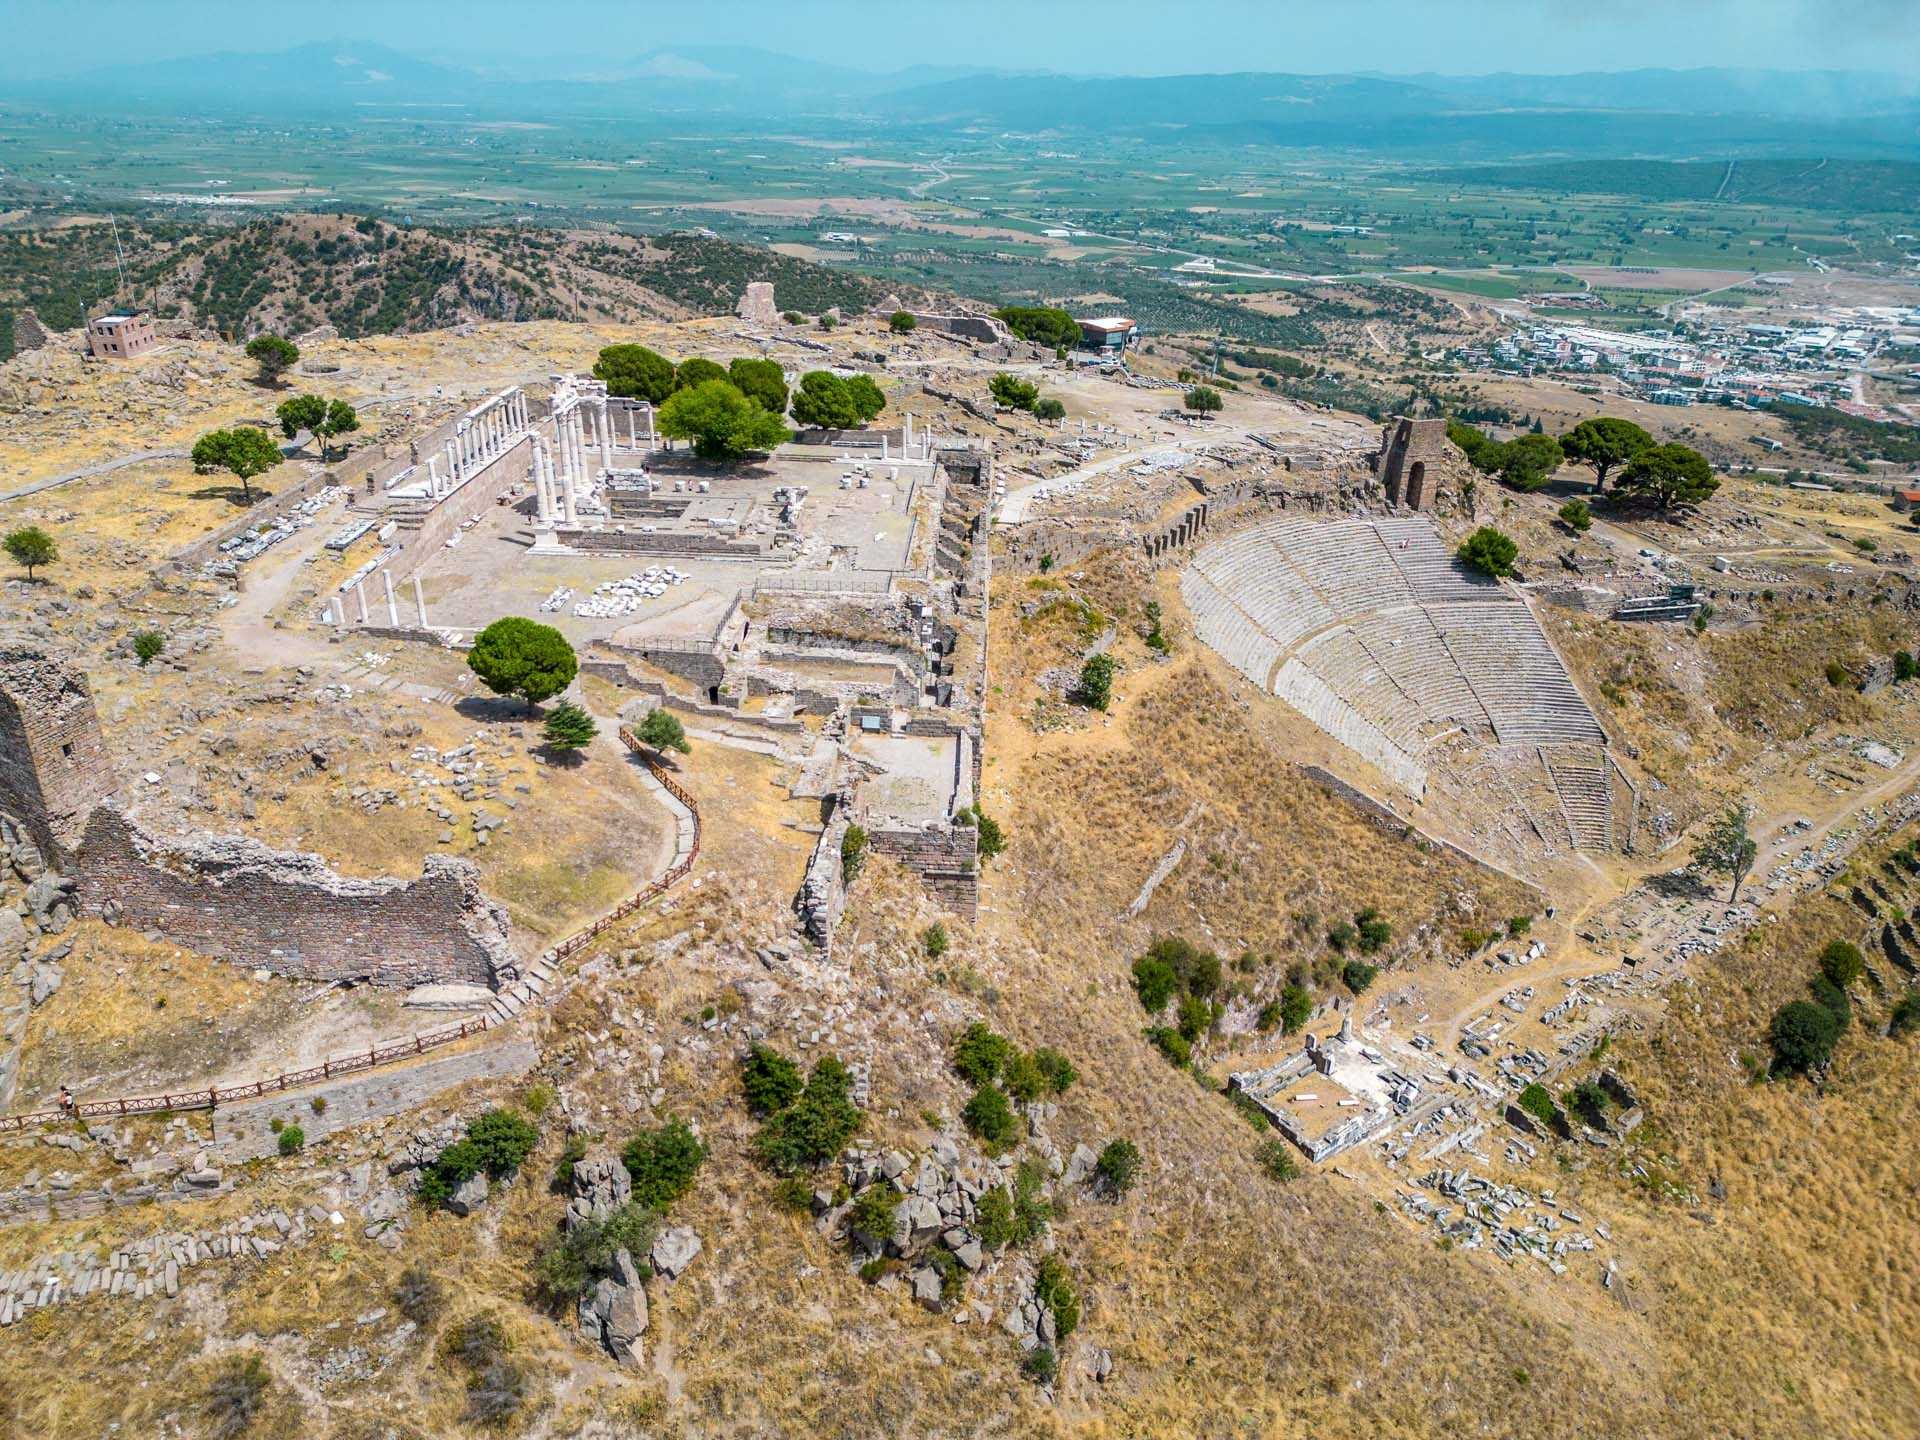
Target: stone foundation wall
x=235 y=899
x=947 y=862
x=683 y=542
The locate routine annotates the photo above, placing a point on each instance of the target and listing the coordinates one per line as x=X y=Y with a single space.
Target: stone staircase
x=1586 y=798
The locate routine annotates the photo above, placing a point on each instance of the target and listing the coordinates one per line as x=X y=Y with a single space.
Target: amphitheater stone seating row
x=1515 y=672
x=1306 y=692
x=1373 y=630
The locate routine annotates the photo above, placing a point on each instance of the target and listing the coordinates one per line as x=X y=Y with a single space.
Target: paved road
x=87 y=472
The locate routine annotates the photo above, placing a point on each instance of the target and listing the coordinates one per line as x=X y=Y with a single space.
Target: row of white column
x=480 y=440
x=336 y=611
x=554 y=489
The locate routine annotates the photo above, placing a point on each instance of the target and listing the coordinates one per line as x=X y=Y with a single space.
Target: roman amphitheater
x=1371 y=629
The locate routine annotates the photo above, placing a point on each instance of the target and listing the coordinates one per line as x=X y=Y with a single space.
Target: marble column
x=420 y=601
x=360 y=591
x=393 y=605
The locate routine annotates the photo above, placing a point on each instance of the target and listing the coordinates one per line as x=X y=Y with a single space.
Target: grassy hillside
x=365 y=276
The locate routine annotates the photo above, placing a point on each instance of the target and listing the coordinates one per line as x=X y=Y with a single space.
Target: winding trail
x=87 y=472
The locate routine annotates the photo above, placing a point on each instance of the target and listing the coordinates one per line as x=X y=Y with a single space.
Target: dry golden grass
x=142 y=1013
x=1786 y=1307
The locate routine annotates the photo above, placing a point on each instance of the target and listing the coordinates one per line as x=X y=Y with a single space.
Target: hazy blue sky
x=1460 y=36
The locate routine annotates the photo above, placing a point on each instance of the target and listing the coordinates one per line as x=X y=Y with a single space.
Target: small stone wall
x=947 y=862
x=235 y=899
x=661 y=542
x=268 y=510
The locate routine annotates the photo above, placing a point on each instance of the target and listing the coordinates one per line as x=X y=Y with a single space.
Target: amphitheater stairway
x=1586 y=798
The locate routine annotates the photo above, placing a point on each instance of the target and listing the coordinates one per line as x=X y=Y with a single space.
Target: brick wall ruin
x=947 y=862
x=225 y=896
x=29 y=333
x=1412 y=455
x=235 y=899
x=54 y=766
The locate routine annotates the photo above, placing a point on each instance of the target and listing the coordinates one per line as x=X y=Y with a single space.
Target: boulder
x=926 y=1287
x=614 y=1313
x=13 y=937
x=674 y=1250
x=601 y=1186
x=470 y=1196
x=1080 y=1164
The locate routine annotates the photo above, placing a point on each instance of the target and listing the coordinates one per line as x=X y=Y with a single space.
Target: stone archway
x=1417 y=486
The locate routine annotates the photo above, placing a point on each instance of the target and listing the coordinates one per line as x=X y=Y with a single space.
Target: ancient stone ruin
x=1412 y=453
x=756 y=306
x=227 y=896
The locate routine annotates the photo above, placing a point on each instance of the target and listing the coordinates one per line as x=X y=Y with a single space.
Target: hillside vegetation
x=366 y=276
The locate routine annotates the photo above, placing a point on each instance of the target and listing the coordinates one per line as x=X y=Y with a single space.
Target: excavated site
x=937 y=1044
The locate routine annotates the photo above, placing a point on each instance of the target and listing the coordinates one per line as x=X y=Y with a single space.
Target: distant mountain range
x=1654 y=112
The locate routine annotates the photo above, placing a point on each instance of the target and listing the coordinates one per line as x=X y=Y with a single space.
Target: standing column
x=433 y=476
x=569 y=497
x=420 y=601
x=360 y=590
x=393 y=605
x=543 y=481
x=453 y=465
x=633 y=438
x=906 y=436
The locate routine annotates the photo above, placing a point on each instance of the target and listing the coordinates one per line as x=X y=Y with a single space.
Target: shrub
x=1049 y=408
x=1096 y=682
x=989 y=1117
x=1118 y=1167
x=1577 y=516
x=1842 y=963
x=1537 y=1101
x=1041 y=1365
x=980 y=1054
x=853 y=852
x=1011 y=392
x=771 y=1080
x=1268 y=1018
x=815 y=1128
x=934 y=938
x=1341 y=936
x=1057 y=1069
x=1904 y=666
x=1014 y=1215
x=1837 y=675
x=1489 y=551
x=1276 y=1158
x=873 y=1213
x=1051 y=1289
x=1831 y=998
x=147 y=645
x=1519 y=925
x=418 y=1296
x=1905 y=1015
x=237 y=1395
x=451 y=1169
x=292 y=1140
x=1172 y=1044
x=1023 y=1080
x=1589 y=1102
x=1296 y=1005
x=1358 y=975
x=572 y=1262
x=1154 y=982
x=501 y=1140
x=662 y=1163
x=571 y=1154
x=901 y=322
x=1802 y=1035
x=569 y=730
x=1193 y=1017
x=1373 y=931
x=1203 y=400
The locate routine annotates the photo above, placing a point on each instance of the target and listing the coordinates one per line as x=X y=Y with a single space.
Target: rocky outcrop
x=614 y=1313
x=601 y=1186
